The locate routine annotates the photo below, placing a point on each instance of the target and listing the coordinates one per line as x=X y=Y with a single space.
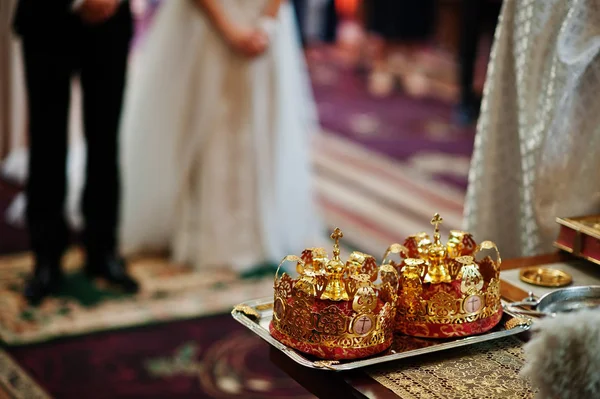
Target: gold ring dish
x=545 y=277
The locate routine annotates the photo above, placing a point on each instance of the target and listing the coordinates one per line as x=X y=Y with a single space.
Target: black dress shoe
x=46 y=281
x=111 y=268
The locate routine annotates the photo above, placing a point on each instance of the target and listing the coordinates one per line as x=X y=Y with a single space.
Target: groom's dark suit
x=57 y=45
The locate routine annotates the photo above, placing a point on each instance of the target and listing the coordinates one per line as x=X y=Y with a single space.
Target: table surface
x=357 y=384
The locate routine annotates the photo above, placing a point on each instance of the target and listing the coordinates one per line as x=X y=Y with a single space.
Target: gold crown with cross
x=445 y=291
x=335 y=310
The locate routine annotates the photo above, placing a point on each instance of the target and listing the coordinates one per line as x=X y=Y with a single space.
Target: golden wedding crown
x=444 y=290
x=335 y=310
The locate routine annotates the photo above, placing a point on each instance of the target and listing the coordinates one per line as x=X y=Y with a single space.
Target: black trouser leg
x=103 y=70
x=469 y=40
x=300 y=13
x=48 y=79
x=331 y=23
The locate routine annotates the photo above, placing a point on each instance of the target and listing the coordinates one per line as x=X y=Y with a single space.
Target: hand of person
x=247 y=42
x=258 y=43
x=97 y=11
x=269 y=26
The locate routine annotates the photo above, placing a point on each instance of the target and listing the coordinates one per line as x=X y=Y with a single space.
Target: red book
x=580 y=236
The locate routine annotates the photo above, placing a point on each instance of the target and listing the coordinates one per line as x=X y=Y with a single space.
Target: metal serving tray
x=403 y=346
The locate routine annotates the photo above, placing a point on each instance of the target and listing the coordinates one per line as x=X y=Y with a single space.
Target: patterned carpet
x=168 y=292
x=212 y=357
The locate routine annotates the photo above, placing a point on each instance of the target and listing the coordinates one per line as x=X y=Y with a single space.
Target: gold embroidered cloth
x=487 y=370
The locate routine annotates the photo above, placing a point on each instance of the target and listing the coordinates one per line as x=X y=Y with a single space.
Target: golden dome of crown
x=334 y=309
x=444 y=290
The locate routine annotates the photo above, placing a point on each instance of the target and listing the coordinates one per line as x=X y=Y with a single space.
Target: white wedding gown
x=215 y=147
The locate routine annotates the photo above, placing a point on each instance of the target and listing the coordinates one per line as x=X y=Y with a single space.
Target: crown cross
x=436 y=221
x=335 y=236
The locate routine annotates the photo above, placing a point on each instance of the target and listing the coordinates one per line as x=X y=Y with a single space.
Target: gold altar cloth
x=487 y=370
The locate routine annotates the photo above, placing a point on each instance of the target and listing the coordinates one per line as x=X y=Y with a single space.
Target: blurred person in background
x=316 y=20
x=477 y=18
x=330 y=22
x=536 y=149
x=216 y=133
x=62 y=38
x=401 y=27
x=300 y=8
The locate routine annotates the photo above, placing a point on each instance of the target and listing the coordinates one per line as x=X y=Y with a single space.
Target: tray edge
x=295 y=356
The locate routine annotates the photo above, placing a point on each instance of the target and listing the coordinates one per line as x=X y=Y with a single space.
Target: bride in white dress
x=215 y=136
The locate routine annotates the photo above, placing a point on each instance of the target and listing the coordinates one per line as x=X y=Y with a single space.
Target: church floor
x=210 y=357
x=384 y=166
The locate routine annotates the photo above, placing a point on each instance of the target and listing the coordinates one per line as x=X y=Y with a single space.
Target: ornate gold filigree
x=331 y=321
x=341 y=307
x=283 y=286
x=516 y=322
x=365 y=298
x=442 y=304
x=471 y=281
x=266 y=306
x=247 y=310
x=445 y=284
x=325 y=364
x=492 y=295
